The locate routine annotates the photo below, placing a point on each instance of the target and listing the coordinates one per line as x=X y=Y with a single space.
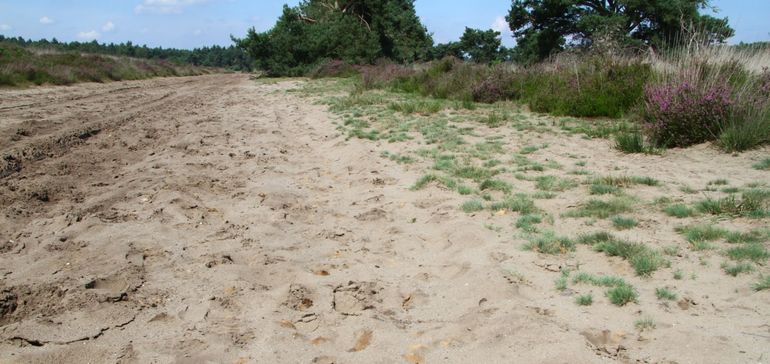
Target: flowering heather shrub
x=679 y=114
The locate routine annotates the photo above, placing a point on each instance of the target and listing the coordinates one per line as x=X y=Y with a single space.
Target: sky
x=197 y=23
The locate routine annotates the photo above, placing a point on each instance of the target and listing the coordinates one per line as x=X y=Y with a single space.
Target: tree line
x=364 y=31
x=231 y=57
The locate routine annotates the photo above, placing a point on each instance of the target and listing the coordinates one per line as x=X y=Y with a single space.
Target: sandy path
x=215 y=219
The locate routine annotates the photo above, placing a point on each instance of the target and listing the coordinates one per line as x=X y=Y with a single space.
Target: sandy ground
x=217 y=219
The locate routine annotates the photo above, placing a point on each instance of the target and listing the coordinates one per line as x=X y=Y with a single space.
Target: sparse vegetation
x=763 y=165
x=622 y=295
x=762 y=284
x=624 y=223
x=665 y=294
x=602 y=209
x=679 y=211
x=585 y=299
x=737 y=268
x=550 y=243
x=644 y=324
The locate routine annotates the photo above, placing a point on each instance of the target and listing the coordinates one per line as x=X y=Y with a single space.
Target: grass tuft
x=585 y=300
x=549 y=243
x=763 y=165
x=622 y=295
x=624 y=223
x=679 y=211
x=738 y=268
x=602 y=209
x=472 y=206
x=763 y=284
x=665 y=294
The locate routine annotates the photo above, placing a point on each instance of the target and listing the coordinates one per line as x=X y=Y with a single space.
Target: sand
x=216 y=219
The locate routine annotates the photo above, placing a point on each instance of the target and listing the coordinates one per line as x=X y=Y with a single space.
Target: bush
x=591 y=87
x=680 y=114
x=333 y=68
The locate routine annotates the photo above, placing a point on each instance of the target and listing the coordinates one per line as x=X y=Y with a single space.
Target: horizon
x=188 y=24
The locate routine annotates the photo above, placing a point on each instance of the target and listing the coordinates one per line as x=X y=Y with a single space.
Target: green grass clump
x=602 y=209
x=464 y=190
x=763 y=165
x=517 y=203
x=626 y=181
x=763 y=284
x=679 y=211
x=644 y=324
x=752 y=203
x=752 y=237
x=633 y=143
x=527 y=222
x=697 y=234
x=473 y=172
x=428 y=178
x=665 y=294
x=549 y=243
x=624 y=223
x=553 y=183
x=644 y=260
x=602 y=189
x=426 y=107
x=585 y=300
x=753 y=252
x=738 y=268
x=495 y=185
x=601 y=281
x=531 y=149
x=622 y=295
x=472 y=206
x=594 y=238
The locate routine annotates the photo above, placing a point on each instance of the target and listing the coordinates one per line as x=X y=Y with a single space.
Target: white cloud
x=165 y=6
x=46 y=20
x=500 y=25
x=108 y=26
x=5 y=27
x=91 y=35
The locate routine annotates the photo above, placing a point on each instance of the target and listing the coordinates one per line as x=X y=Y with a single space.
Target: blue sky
x=195 y=23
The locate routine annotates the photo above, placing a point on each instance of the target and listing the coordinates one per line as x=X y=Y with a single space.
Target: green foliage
x=542 y=27
x=643 y=324
x=230 y=57
x=665 y=294
x=21 y=66
x=427 y=179
x=762 y=284
x=595 y=238
x=752 y=203
x=602 y=209
x=527 y=222
x=754 y=252
x=763 y=165
x=624 y=223
x=679 y=211
x=622 y=295
x=553 y=183
x=585 y=300
x=355 y=32
x=518 y=203
x=472 y=206
x=738 y=268
x=482 y=46
x=591 y=87
x=633 y=142
x=549 y=243
x=496 y=185
x=644 y=260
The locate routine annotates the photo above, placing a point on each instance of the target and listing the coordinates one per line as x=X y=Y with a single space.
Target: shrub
x=680 y=113
x=622 y=295
x=588 y=87
x=333 y=68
